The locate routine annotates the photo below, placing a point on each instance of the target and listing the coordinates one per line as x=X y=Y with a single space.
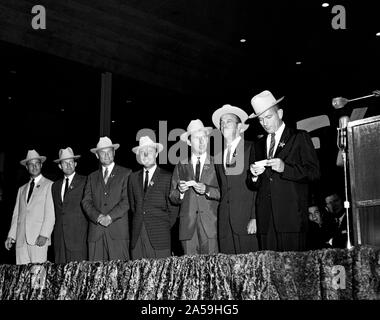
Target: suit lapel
x=36 y=189
x=287 y=133
x=206 y=168
x=140 y=182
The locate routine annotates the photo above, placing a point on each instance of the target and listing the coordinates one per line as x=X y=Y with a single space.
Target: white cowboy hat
x=64 y=154
x=145 y=141
x=105 y=142
x=32 y=154
x=227 y=108
x=262 y=102
x=194 y=126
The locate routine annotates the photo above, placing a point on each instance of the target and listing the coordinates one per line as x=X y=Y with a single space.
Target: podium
x=364 y=168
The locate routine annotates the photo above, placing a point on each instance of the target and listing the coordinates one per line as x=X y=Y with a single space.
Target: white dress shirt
x=277 y=138
x=36 y=180
x=150 y=174
x=233 y=145
x=64 y=184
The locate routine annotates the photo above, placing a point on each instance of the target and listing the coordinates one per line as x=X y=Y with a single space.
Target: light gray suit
x=197 y=209
x=31 y=220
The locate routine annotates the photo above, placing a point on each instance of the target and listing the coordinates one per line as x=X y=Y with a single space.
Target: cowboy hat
x=262 y=102
x=194 y=126
x=64 y=154
x=105 y=142
x=32 y=154
x=145 y=141
x=227 y=108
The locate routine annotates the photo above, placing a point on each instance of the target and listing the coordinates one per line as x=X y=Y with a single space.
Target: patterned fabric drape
x=313 y=275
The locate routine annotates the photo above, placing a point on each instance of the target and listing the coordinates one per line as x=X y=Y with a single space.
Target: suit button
x=143 y=212
x=196 y=212
x=105 y=193
x=228 y=201
x=270 y=179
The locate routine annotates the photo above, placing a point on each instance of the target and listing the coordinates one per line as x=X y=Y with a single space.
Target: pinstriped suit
x=153 y=211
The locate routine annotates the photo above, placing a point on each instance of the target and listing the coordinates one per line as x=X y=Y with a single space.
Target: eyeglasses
x=228 y=123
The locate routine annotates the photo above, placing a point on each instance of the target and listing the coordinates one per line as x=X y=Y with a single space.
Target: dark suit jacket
x=153 y=208
x=286 y=192
x=194 y=204
x=237 y=205
x=71 y=223
x=109 y=199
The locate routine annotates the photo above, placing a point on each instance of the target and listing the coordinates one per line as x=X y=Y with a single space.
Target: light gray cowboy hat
x=105 y=142
x=64 y=154
x=32 y=154
x=262 y=102
x=227 y=108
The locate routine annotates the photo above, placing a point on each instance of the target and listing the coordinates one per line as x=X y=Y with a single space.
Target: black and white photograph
x=189 y=155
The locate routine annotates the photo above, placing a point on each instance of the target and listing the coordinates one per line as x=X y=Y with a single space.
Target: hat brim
x=158 y=146
x=230 y=109
x=25 y=161
x=184 y=136
x=72 y=157
x=254 y=115
x=115 y=146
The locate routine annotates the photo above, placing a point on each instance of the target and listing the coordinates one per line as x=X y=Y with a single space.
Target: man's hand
x=9 y=243
x=101 y=216
x=105 y=221
x=277 y=164
x=182 y=187
x=41 y=241
x=256 y=170
x=376 y=93
x=251 y=228
x=200 y=188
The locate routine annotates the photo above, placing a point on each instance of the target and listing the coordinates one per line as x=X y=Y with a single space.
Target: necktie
x=198 y=170
x=105 y=176
x=66 y=187
x=271 y=147
x=146 y=181
x=228 y=157
x=30 y=190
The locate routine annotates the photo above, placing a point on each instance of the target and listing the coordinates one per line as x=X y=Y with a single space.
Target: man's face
x=148 y=156
x=199 y=142
x=271 y=119
x=229 y=126
x=106 y=156
x=34 y=167
x=334 y=203
x=67 y=166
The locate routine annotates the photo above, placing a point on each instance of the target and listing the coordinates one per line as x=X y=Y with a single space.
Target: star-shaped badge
x=281 y=144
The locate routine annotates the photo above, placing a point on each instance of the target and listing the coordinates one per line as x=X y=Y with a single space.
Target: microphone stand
x=342 y=145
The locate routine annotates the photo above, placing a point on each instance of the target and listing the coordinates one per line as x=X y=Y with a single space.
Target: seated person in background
x=335 y=221
x=317 y=238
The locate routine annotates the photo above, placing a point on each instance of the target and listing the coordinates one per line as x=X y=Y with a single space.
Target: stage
x=331 y=274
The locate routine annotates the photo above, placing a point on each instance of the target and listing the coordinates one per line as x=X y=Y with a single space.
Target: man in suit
x=71 y=223
x=198 y=201
x=282 y=179
x=106 y=204
x=237 y=218
x=33 y=215
x=153 y=214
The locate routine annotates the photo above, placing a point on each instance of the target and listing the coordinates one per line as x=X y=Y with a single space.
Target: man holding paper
x=283 y=164
x=195 y=188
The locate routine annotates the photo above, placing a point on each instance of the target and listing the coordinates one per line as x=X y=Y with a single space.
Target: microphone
x=342 y=132
x=340 y=102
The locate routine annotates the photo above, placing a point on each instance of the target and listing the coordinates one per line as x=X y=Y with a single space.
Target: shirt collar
x=110 y=168
x=151 y=170
x=37 y=179
x=71 y=177
x=280 y=130
x=235 y=142
x=194 y=158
